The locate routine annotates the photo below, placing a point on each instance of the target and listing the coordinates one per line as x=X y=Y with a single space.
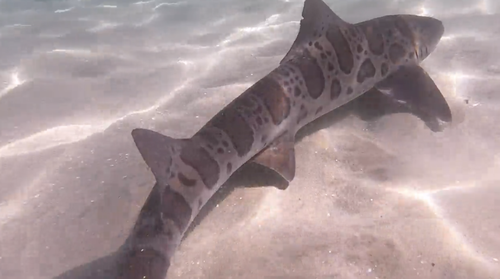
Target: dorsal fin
x=156 y=150
x=317 y=17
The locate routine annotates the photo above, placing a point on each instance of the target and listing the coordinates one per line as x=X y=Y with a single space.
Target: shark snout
x=428 y=32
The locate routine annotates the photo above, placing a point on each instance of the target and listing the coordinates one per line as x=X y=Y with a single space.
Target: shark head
x=427 y=32
x=405 y=39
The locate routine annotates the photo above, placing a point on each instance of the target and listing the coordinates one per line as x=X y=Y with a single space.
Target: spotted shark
x=330 y=63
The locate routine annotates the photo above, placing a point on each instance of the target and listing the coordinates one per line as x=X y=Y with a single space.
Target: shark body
x=330 y=63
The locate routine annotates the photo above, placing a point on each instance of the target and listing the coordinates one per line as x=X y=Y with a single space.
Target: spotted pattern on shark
x=342 y=49
x=366 y=70
x=312 y=74
x=205 y=165
x=274 y=98
x=330 y=63
x=335 y=89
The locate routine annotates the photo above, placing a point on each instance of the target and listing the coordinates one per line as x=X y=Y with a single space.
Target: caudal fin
x=157 y=150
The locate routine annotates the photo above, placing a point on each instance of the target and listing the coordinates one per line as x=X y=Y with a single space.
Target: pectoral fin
x=412 y=87
x=279 y=156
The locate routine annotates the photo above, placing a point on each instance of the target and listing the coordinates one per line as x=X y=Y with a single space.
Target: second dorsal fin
x=317 y=17
x=279 y=156
x=156 y=150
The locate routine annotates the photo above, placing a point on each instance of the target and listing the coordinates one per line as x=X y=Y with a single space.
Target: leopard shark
x=330 y=63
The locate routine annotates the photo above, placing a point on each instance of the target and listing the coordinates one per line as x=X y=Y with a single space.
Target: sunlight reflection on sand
x=14 y=82
x=460 y=242
x=272 y=209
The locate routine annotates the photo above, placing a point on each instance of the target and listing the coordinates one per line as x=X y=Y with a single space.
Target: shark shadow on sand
x=369 y=107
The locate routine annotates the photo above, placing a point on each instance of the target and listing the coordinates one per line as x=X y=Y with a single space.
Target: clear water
x=385 y=198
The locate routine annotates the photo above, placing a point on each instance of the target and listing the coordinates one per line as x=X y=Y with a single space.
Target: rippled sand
x=383 y=198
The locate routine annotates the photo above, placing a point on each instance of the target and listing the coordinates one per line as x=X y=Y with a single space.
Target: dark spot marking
x=210 y=146
x=200 y=160
x=312 y=74
x=360 y=48
x=318 y=46
x=283 y=71
x=186 y=181
x=209 y=137
x=274 y=98
x=247 y=101
x=403 y=28
x=396 y=53
x=335 y=89
x=366 y=70
x=349 y=90
x=352 y=32
x=384 y=69
x=319 y=110
x=323 y=56
x=330 y=67
x=220 y=150
x=374 y=38
x=259 y=120
x=358 y=57
x=329 y=53
x=297 y=91
x=229 y=168
x=292 y=70
x=342 y=49
x=366 y=52
x=266 y=119
x=258 y=110
x=175 y=208
x=310 y=43
x=225 y=143
x=302 y=114
x=286 y=83
x=263 y=139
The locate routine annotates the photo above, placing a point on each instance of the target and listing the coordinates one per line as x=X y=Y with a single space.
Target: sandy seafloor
x=383 y=198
